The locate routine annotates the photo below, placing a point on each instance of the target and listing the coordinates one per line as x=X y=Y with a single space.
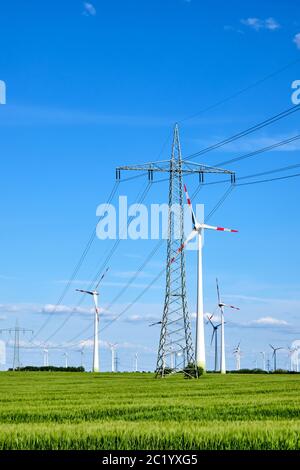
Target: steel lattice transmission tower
x=175 y=346
x=175 y=335
x=17 y=330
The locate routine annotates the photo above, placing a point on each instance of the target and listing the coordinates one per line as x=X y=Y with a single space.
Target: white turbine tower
x=82 y=356
x=291 y=352
x=214 y=336
x=136 y=357
x=222 y=306
x=46 y=357
x=237 y=353
x=198 y=231
x=263 y=354
x=113 y=356
x=274 y=356
x=95 y=295
x=66 y=356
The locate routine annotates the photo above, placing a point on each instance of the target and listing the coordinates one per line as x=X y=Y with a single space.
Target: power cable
x=261 y=150
x=241 y=91
x=75 y=270
x=250 y=130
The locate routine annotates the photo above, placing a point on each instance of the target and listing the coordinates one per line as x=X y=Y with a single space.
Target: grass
x=135 y=411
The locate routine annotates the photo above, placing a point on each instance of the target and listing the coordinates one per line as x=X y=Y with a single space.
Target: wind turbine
x=222 y=306
x=66 y=356
x=214 y=335
x=113 y=356
x=263 y=360
x=95 y=295
x=198 y=231
x=46 y=357
x=136 y=356
x=82 y=356
x=274 y=355
x=292 y=352
x=237 y=353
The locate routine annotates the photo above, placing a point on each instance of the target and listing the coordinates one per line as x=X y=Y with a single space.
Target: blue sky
x=94 y=85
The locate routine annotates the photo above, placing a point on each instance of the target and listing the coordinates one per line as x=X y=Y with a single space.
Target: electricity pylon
x=175 y=335
x=16 y=330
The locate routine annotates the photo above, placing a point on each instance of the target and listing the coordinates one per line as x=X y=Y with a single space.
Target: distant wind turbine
x=263 y=360
x=95 y=295
x=214 y=336
x=222 y=306
x=274 y=355
x=66 y=356
x=46 y=357
x=113 y=356
x=237 y=352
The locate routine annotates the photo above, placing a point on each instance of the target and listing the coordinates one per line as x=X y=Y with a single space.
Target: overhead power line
x=241 y=91
x=261 y=150
x=75 y=270
x=100 y=270
x=270 y=180
x=159 y=275
x=244 y=133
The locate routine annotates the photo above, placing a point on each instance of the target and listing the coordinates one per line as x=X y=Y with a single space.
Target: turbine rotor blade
x=190 y=206
x=231 y=306
x=192 y=235
x=219 y=229
x=85 y=291
x=218 y=292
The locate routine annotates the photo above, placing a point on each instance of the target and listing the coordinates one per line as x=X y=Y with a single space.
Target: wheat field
x=49 y=411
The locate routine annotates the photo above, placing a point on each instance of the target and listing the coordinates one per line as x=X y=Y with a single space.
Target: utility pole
x=16 y=330
x=175 y=335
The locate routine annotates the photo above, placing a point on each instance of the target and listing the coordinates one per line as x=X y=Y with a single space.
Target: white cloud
x=141 y=318
x=258 y=24
x=89 y=9
x=9 y=308
x=271 y=24
x=254 y=23
x=215 y=319
x=53 y=309
x=253 y=143
x=296 y=40
x=269 y=321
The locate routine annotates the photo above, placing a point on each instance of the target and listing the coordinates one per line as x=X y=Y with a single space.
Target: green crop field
x=42 y=410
